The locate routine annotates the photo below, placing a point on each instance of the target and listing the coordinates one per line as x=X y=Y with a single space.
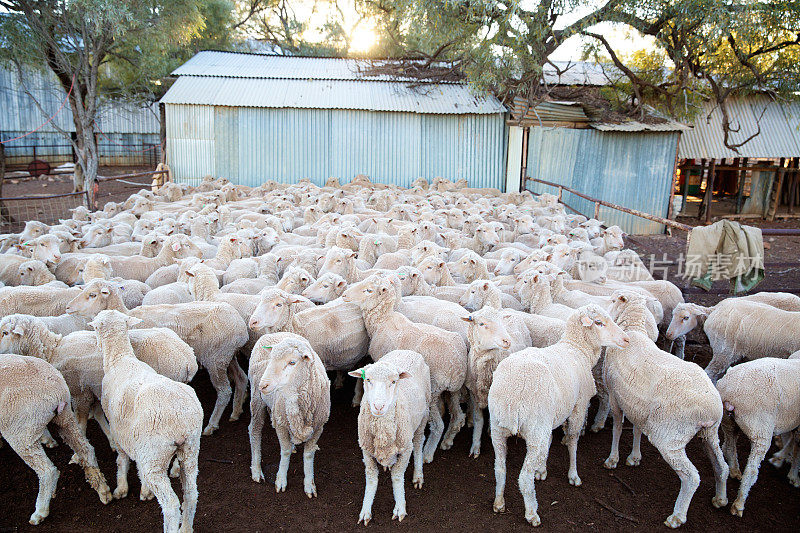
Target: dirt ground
x=458 y=490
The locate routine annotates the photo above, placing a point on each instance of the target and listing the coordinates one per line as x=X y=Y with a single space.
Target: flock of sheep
x=461 y=298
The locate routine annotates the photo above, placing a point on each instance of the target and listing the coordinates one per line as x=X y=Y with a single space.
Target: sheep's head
x=622 y=299
x=181 y=246
x=288 y=358
x=94 y=298
x=326 y=288
x=365 y=292
x=486 y=234
x=33 y=229
x=112 y=320
x=34 y=273
x=487 y=331
x=273 y=311
x=597 y=327
x=432 y=269
x=509 y=258
x=409 y=279
x=338 y=261
x=685 y=317
x=475 y=296
x=46 y=249
x=380 y=386
x=13 y=333
x=97 y=266
x=613 y=238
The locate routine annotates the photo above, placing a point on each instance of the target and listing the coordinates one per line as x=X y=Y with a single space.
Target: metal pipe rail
x=640 y=214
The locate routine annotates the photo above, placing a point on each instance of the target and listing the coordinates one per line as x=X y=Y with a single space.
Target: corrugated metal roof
x=779 y=136
x=329 y=94
x=634 y=126
x=239 y=65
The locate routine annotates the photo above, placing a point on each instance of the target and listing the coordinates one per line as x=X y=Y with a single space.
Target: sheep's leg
x=358 y=393
x=477 y=428
x=500 y=444
x=690 y=480
x=616 y=432
x=437 y=428
x=793 y=476
x=730 y=435
x=145 y=493
x=535 y=460
x=457 y=419
x=155 y=475
x=371 y=475
x=470 y=421
x=188 y=454
x=123 y=465
x=239 y=378
x=635 y=456
x=680 y=346
x=286 y=453
x=70 y=431
x=419 y=439
x=573 y=432
x=398 y=471
x=309 y=450
x=33 y=455
x=710 y=438
x=219 y=379
x=175 y=471
x=47 y=439
x=102 y=421
x=602 y=411
x=258 y=413
x=338 y=383
x=758 y=450
x=779 y=457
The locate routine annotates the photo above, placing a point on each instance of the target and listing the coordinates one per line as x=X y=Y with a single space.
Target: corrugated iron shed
x=329 y=93
x=779 y=135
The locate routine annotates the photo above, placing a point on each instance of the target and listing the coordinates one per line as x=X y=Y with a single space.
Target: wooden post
x=596 y=211
x=740 y=192
x=709 y=196
x=775 y=200
x=162 y=116
x=793 y=184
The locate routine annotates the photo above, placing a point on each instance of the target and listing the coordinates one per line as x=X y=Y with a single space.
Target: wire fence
x=16 y=211
x=112 y=153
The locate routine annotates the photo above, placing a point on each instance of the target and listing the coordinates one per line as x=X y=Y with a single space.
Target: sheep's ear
x=341 y=283
x=355 y=373
x=403 y=375
x=132 y=321
x=295 y=300
x=105 y=291
x=586 y=321
x=109 y=230
x=190 y=273
x=19 y=329
x=176 y=246
x=351 y=254
x=472 y=261
x=306 y=356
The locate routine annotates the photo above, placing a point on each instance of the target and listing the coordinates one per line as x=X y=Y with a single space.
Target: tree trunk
x=6 y=216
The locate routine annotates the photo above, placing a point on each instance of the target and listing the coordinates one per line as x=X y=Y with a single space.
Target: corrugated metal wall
x=630 y=169
x=252 y=145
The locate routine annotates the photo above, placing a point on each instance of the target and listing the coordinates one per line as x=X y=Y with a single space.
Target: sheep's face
x=93 y=299
x=286 y=359
x=98 y=236
x=273 y=310
x=409 y=279
x=380 y=387
x=599 y=323
x=94 y=268
x=613 y=238
x=432 y=270
x=112 y=320
x=508 y=260
x=474 y=298
x=151 y=245
x=33 y=273
x=325 y=289
x=487 y=331
x=46 y=249
x=12 y=332
x=685 y=317
x=33 y=229
x=367 y=290
x=181 y=247
x=338 y=261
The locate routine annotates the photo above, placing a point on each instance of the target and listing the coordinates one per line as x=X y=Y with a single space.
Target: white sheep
x=535 y=390
x=153 y=419
x=391 y=423
x=667 y=399
x=288 y=378
x=33 y=394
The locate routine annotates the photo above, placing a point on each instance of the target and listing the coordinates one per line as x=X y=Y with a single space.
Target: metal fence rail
x=15 y=211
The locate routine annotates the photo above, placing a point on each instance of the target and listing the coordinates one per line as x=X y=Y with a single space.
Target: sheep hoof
x=74 y=459
x=120 y=492
x=146 y=495
x=234 y=417
x=633 y=460
x=365 y=517
x=596 y=427
x=674 y=521
x=49 y=442
x=735 y=474
x=794 y=480
x=540 y=475
x=719 y=501
x=499 y=505
x=427 y=458
x=611 y=463
x=105 y=495
x=737 y=509
x=399 y=513
x=280 y=485
x=37 y=517
x=534 y=519
x=257 y=475
x=446 y=445
x=776 y=461
x=574 y=480
x=475 y=452
x=311 y=489
x=417 y=481
x=210 y=430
